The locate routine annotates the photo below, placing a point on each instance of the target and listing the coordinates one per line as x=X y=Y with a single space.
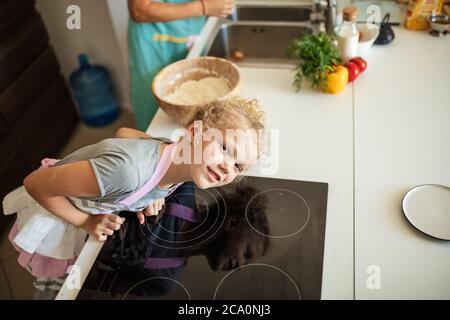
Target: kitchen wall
x=118 y=11
x=102 y=22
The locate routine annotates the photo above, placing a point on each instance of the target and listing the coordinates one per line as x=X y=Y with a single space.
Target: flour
x=202 y=91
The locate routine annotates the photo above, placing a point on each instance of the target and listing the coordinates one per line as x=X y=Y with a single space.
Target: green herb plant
x=317 y=55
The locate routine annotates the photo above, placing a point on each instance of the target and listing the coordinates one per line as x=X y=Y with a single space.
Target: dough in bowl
x=201 y=91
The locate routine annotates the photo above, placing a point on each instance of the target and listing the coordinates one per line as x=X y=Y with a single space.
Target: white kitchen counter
x=385 y=134
x=402 y=139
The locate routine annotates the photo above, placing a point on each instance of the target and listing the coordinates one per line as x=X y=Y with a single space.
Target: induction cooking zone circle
x=200 y=199
x=205 y=230
x=179 y=289
x=265 y=282
x=280 y=204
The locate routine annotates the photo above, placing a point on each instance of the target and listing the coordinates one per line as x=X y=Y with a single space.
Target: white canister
x=347 y=34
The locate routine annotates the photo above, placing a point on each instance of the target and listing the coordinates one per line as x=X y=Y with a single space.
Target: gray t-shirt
x=121 y=167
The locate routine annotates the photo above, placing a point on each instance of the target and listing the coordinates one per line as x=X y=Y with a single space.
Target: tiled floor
x=15 y=282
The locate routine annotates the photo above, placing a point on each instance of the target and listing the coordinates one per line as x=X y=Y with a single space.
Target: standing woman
x=160 y=33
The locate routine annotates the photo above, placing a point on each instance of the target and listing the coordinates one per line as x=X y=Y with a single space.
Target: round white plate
x=427 y=207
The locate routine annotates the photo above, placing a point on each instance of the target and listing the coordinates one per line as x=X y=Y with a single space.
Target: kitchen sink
x=256 y=43
x=271 y=13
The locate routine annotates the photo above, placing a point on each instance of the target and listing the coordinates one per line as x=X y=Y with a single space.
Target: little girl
x=81 y=194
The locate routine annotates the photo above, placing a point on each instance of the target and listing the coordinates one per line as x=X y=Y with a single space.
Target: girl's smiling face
x=221 y=155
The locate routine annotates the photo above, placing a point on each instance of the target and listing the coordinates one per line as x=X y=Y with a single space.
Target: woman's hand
x=102 y=225
x=219 y=8
x=152 y=210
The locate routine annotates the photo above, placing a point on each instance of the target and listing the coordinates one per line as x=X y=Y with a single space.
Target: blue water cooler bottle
x=94 y=93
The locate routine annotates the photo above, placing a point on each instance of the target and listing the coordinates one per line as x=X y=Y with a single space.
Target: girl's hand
x=219 y=8
x=151 y=210
x=102 y=225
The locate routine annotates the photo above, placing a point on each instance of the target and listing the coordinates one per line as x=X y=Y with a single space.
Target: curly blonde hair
x=228 y=113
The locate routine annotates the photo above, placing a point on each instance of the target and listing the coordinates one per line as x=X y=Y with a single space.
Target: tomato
x=362 y=64
x=353 y=71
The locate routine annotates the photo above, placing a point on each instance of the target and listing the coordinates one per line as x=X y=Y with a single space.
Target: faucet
x=328 y=12
x=331 y=15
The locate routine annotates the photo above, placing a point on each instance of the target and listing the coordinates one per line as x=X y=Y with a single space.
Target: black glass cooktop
x=258 y=239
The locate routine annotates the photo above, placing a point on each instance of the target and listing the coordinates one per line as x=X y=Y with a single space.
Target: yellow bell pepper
x=336 y=80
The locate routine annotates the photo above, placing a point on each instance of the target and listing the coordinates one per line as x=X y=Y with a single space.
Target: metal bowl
x=439 y=22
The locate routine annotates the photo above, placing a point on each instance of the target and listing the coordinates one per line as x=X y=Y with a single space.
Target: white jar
x=347 y=34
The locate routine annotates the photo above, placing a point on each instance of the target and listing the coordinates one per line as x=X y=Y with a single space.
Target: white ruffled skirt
x=47 y=244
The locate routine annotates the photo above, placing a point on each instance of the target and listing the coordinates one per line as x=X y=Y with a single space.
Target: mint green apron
x=151 y=47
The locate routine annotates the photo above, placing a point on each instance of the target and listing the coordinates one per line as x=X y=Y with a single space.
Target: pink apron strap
x=161 y=169
x=180 y=211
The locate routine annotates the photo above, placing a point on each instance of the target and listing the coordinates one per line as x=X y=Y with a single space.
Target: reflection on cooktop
x=258 y=239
